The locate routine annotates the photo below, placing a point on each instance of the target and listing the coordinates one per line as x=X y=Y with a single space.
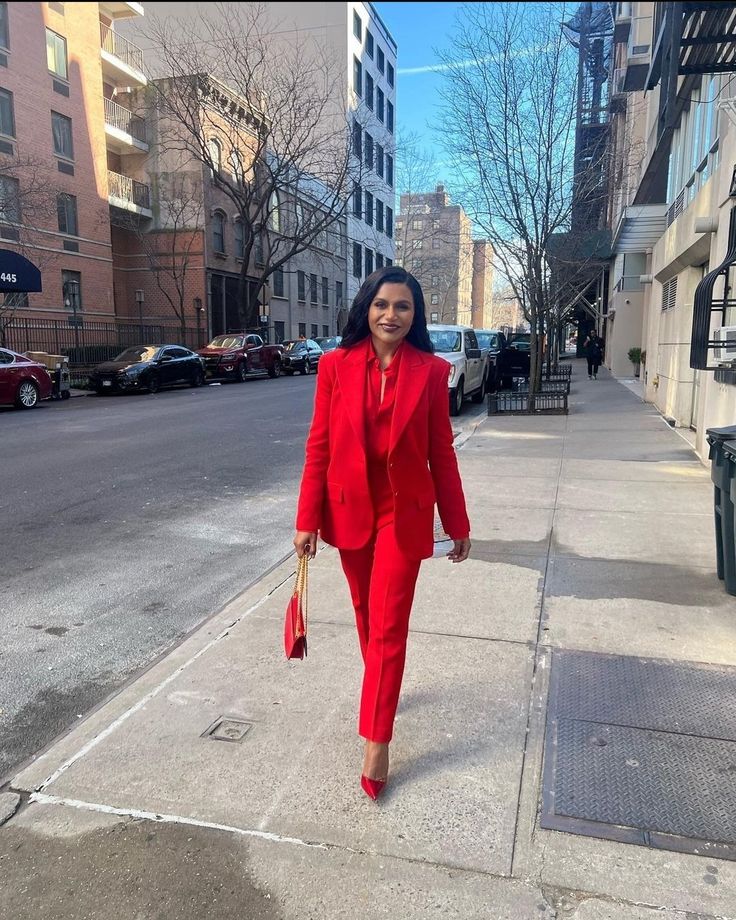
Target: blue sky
x=419 y=29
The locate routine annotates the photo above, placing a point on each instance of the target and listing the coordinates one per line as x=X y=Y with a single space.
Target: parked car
x=23 y=382
x=495 y=342
x=301 y=355
x=239 y=355
x=329 y=343
x=148 y=367
x=469 y=376
x=516 y=358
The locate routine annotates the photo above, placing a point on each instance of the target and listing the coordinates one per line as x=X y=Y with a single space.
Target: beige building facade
x=673 y=149
x=434 y=242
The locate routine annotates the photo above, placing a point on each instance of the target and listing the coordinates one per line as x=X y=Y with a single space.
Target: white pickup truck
x=469 y=376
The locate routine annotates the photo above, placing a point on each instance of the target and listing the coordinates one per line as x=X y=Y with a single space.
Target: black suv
x=301 y=355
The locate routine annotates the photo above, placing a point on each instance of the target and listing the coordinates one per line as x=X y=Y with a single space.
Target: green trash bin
x=721 y=473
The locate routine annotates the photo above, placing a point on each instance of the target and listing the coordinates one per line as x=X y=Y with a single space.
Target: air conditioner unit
x=725 y=351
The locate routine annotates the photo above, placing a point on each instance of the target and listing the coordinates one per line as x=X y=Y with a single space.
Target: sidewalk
x=592 y=533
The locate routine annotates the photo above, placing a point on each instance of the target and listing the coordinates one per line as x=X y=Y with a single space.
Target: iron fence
x=128 y=189
x=90 y=342
x=519 y=404
x=123 y=119
x=545 y=386
x=114 y=43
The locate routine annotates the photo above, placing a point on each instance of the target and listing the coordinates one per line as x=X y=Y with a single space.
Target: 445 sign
x=18 y=274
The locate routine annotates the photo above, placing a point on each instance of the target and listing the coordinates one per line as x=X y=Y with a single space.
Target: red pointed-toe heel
x=372 y=787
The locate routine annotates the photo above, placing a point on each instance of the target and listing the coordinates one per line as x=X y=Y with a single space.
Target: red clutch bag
x=295 y=624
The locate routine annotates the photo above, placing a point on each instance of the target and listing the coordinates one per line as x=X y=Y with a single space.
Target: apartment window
x=436 y=244
x=381 y=60
x=302 y=330
x=258 y=247
x=66 y=210
x=390 y=116
x=357 y=260
x=313 y=289
x=380 y=112
x=71 y=286
x=390 y=73
x=368 y=150
x=4 y=31
x=390 y=170
x=369 y=209
x=389 y=262
x=369 y=43
x=379 y=215
x=279 y=331
x=357 y=26
x=369 y=91
x=368 y=261
x=214 y=150
x=379 y=260
x=218 y=231
x=389 y=221
x=301 y=286
x=417 y=244
x=61 y=128
x=7 y=113
x=669 y=293
x=56 y=54
x=379 y=160
x=357 y=140
x=315 y=330
x=416 y=224
x=357 y=200
x=278 y=286
x=357 y=77
x=338 y=293
x=325 y=331
x=416 y=264
x=435 y=299
x=435 y=281
x=239 y=239
x=9 y=200
x=325 y=292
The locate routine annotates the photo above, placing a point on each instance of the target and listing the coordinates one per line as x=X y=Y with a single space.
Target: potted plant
x=636 y=358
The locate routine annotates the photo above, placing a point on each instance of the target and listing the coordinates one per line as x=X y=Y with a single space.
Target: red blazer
x=335 y=496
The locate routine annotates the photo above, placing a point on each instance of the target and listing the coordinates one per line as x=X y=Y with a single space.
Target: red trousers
x=381 y=580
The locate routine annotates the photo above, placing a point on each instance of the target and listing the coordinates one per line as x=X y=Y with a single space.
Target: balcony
x=122 y=61
x=126 y=132
x=128 y=195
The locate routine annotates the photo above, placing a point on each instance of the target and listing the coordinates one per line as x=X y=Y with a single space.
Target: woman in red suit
x=378 y=456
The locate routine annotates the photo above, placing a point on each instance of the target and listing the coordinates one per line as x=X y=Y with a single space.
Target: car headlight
x=453 y=371
x=228 y=357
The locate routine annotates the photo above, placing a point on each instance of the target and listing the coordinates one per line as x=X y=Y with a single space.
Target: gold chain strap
x=301 y=590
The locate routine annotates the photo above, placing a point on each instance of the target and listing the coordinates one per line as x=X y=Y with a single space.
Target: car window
x=227 y=341
x=254 y=340
x=137 y=354
x=470 y=339
x=6 y=357
x=446 y=340
x=295 y=346
x=182 y=353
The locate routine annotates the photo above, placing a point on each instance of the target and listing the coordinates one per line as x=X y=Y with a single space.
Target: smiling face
x=391 y=314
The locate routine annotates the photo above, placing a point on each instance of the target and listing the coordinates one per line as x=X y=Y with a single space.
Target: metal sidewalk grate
x=642 y=751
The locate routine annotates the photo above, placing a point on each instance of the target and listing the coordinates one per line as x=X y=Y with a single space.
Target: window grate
x=669 y=294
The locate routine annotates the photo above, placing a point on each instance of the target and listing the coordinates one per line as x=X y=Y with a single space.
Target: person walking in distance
x=378 y=456
x=593 y=347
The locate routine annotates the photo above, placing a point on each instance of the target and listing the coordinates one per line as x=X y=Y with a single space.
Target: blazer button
x=396 y=493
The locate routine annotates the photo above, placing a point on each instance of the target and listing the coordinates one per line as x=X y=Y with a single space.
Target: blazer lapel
x=410 y=384
x=351 y=374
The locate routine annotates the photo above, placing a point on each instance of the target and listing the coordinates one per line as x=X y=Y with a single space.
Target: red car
x=238 y=356
x=23 y=382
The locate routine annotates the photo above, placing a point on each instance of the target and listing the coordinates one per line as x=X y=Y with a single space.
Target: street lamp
x=198 y=310
x=139 y=298
x=71 y=300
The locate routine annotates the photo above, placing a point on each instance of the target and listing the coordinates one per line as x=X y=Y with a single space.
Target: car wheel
x=456 y=398
x=307 y=368
x=242 y=372
x=198 y=379
x=479 y=396
x=154 y=383
x=27 y=397
x=275 y=369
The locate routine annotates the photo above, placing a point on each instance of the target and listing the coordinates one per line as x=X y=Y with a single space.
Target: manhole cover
x=228 y=729
x=642 y=751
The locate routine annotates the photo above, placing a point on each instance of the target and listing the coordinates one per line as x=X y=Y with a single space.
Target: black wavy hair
x=356 y=328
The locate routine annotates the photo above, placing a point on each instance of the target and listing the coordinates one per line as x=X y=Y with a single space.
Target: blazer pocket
x=335 y=492
x=426 y=500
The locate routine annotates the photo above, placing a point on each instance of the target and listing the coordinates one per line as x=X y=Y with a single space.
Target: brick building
x=61 y=66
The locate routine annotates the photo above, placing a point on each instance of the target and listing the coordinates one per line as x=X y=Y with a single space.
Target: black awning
x=704 y=305
x=18 y=274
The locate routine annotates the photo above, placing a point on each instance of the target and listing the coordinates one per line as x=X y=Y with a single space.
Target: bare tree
x=509 y=128
x=28 y=199
x=266 y=119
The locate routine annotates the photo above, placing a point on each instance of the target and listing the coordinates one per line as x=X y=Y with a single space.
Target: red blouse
x=378 y=418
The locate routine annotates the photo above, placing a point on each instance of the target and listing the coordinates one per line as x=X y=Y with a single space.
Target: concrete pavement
x=591 y=532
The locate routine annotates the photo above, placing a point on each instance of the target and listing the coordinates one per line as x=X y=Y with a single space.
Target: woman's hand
x=461 y=551
x=305 y=541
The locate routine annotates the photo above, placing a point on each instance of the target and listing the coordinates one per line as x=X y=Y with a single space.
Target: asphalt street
x=127 y=521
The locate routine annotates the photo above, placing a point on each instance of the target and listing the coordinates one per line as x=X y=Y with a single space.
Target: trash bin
x=722 y=472
x=729 y=453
